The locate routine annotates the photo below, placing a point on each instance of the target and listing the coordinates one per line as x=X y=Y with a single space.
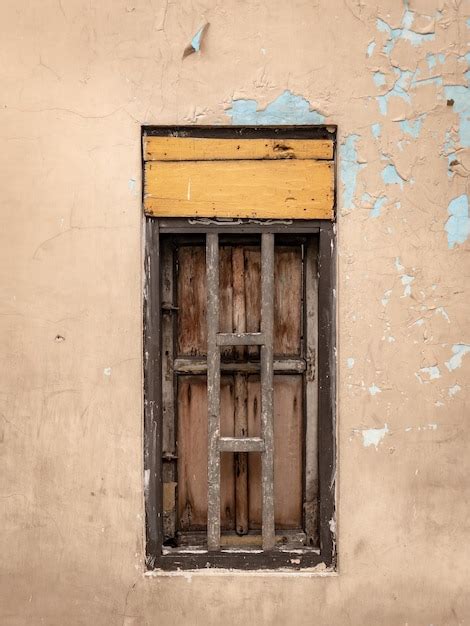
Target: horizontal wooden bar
x=238 y=560
x=240 y=339
x=241 y=444
x=293 y=539
x=198 y=365
x=202 y=225
x=216 y=149
x=297 y=189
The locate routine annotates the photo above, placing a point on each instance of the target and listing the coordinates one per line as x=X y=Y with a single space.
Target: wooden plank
x=213 y=393
x=241 y=444
x=198 y=365
x=201 y=225
x=327 y=391
x=240 y=393
x=267 y=420
x=288 y=444
x=192 y=454
x=205 y=149
x=311 y=394
x=287 y=290
x=256 y=189
x=152 y=396
x=191 y=313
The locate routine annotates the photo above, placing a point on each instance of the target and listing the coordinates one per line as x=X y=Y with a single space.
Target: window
x=239 y=348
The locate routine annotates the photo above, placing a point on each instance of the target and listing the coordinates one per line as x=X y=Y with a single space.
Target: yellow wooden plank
x=205 y=149
x=265 y=189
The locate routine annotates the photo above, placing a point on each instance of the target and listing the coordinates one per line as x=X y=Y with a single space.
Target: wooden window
x=239 y=359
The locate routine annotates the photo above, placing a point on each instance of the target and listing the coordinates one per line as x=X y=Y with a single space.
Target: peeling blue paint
x=406 y=281
x=376 y=203
x=288 y=108
x=412 y=128
x=461 y=96
x=433 y=372
x=458 y=224
x=379 y=78
x=433 y=59
x=374 y=390
x=399 y=89
x=376 y=130
x=370 y=48
x=450 y=149
x=196 y=40
x=454 y=390
x=349 y=168
x=403 y=32
x=373 y=436
x=390 y=176
x=350 y=362
x=459 y=350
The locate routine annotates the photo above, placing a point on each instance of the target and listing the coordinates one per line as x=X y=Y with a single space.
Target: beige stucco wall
x=78 y=78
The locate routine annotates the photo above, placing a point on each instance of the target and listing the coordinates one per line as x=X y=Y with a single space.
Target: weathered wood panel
x=301 y=189
x=192 y=454
x=287 y=452
x=192 y=328
x=287 y=301
x=205 y=149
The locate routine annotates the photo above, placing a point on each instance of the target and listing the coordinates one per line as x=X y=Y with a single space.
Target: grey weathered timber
x=198 y=365
x=241 y=444
x=267 y=429
x=311 y=394
x=240 y=339
x=213 y=392
x=168 y=390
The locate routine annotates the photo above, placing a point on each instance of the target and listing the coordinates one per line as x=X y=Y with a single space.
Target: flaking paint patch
x=458 y=224
x=460 y=94
x=452 y=391
x=374 y=436
x=390 y=176
x=349 y=169
x=426 y=374
x=376 y=130
x=350 y=362
x=288 y=108
x=412 y=127
x=459 y=350
x=374 y=390
x=406 y=281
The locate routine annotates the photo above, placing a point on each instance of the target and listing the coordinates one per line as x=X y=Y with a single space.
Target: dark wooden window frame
x=326 y=231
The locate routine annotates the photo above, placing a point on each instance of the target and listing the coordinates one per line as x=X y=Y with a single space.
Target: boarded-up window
x=241 y=410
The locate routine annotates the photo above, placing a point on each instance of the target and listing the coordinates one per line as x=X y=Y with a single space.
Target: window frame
x=152 y=352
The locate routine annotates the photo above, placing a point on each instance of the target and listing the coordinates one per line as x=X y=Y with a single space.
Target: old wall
x=78 y=78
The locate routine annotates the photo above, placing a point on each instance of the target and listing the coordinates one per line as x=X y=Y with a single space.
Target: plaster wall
x=78 y=78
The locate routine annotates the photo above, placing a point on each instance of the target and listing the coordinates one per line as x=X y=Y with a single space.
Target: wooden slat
x=192 y=454
x=213 y=393
x=198 y=365
x=262 y=189
x=311 y=394
x=288 y=443
x=241 y=444
x=267 y=420
x=205 y=149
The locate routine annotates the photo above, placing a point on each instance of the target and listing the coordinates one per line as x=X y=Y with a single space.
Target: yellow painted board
x=265 y=189
x=205 y=149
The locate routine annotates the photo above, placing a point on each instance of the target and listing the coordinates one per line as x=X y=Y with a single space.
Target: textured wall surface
x=78 y=78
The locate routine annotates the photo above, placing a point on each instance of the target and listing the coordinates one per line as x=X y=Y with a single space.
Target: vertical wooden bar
x=240 y=392
x=267 y=426
x=152 y=395
x=311 y=394
x=168 y=390
x=213 y=392
x=327 y=390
